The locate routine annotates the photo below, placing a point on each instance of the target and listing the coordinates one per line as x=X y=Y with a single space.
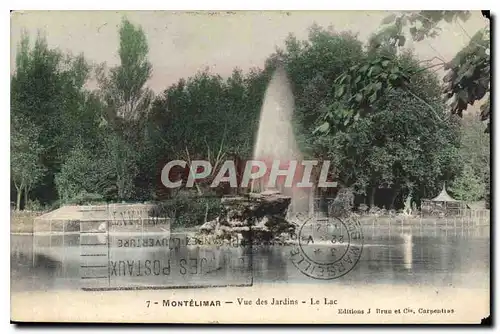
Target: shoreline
x=24 y=226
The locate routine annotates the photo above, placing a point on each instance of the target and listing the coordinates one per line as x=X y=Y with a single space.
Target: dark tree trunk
x=371 y=196
x=395 y=194
x=25 y=198
x=18 y=203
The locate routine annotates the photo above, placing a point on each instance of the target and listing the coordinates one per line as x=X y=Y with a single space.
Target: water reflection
x=407 y=250
x=395 y=255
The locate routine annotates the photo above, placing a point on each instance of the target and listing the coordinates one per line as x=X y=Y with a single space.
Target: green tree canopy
x=47 y=94
x=468 y=73
x=375 y=111
x=376 y=115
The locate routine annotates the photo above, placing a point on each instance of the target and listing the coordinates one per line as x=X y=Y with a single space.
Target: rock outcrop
x=254 y=218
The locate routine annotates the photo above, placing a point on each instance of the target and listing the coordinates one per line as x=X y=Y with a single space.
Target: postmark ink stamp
x=327 y=248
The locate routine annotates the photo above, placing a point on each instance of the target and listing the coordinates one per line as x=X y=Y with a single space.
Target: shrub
x=188 y=211
x=85 y=198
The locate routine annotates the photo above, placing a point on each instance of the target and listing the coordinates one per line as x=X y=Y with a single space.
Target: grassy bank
x=22 y=221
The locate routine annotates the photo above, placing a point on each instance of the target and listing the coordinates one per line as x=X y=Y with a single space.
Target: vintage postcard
x=257 y=167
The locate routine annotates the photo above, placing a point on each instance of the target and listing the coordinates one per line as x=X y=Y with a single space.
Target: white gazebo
x=443 y=196
x=442 y=204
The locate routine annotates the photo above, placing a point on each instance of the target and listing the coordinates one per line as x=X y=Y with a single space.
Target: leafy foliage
x=381 y=120
x=421 y=24
x=313 y=65
x=26 y=167
x=49 y=111
x=473 y=181
x=85 y=198
x=77 y=174
x=123 y=89
x=359 y=88
x=375 y=113
x=403 y=151
x=468 y=73
x=207 y=118
x=468 y=186
x=468 y=77
x=188 y=211
x=118 y=166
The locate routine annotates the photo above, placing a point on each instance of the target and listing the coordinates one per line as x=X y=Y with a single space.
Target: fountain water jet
x=266 y=214
x=276 y=139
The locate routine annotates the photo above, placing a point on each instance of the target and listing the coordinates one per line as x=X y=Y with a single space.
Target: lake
x=433 y=255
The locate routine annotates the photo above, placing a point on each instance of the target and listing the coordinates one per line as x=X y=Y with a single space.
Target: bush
x=188 y=211
x=342 y=204
x=85 y=198
x=34 y=205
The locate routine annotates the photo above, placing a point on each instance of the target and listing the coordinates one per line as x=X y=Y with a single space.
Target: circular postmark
x=327 y=248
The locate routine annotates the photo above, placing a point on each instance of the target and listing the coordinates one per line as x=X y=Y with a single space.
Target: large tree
x=26 y=167
x=126 y=101
x=473 y=181
x=379 y=129
x=47 y=94
x=207 y=117
x=123 y=87
x=467 y=78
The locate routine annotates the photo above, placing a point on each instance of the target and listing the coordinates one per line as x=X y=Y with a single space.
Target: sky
x=182 y=43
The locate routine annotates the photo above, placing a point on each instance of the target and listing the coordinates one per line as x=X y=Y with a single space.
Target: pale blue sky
x=183 y=43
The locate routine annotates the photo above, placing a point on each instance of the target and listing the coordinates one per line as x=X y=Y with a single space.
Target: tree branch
x=429 y=67
x=434 y=49
x=470 y=38
x=424 y=102
x=191 y=171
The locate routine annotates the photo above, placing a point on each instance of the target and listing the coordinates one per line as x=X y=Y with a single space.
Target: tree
x=400 y=148
x=375 y=114
x=119 y=166
x=359 y=88
x=123 y=87
x=312 y=66
x=468 y=186
x=377 y=111
x=126 y=102
x=79 y=174
x=108 y=171
x=26 y=167
x=468 y=73
x=472 y=183
x=47 y=94
x=468 y=77
x=206 y=117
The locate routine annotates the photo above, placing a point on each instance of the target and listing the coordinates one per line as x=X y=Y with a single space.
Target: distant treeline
x=375 y=111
